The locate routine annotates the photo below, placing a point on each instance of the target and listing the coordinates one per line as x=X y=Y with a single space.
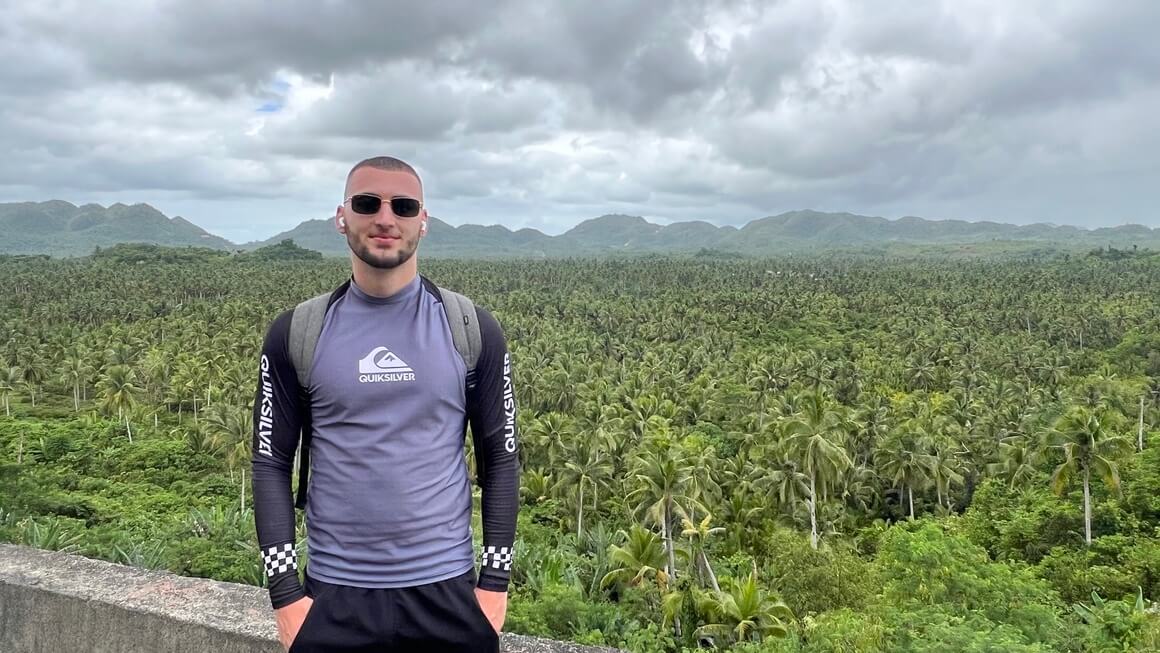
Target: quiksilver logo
x=509 y=407
x=266 y=411
x=383 y=366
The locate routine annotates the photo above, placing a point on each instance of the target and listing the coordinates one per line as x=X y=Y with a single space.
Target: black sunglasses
x=404 y=207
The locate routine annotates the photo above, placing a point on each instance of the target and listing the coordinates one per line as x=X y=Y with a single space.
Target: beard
x=386 y=260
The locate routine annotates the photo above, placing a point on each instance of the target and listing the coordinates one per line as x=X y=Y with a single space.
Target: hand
x=494 y=606
x=290 y=618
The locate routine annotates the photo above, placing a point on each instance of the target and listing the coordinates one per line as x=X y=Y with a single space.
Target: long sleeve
x=277 y=428
x=491 y=412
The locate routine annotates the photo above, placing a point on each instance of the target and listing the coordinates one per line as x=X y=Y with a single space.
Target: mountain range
x=59 y=228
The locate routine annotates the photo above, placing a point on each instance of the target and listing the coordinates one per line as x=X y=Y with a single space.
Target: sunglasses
x=404 y=207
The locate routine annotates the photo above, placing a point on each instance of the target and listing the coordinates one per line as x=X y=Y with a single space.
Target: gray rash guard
x=388 y=501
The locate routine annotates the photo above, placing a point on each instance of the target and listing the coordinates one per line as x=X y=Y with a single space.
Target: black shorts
x=438 y=617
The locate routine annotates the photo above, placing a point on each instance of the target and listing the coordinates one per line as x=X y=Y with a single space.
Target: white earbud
x=342 y=221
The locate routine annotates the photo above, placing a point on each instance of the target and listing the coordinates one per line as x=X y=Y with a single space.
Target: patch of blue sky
x=276 y=89
x=280 y=85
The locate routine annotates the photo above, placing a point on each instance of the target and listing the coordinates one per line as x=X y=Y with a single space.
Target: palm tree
x=921 y=374
x=743 y=512
x=535 y=485
x=121 y=353
x=1140 y=432
x=157 y=368
x=199 y=438
x=1151 y=395
x=34 y=373
x=815 y=437
x=10 y=380
x=873 y=421
x=231 y=430
x=1087 y=446
x=860 y=488
x=118 y=390
x=73 y=370
x=641 y=558
x=663 y=479
x=745 y=612
x=595 y=546
x=698 y=535
x=1018 y=461
x=789 y=483
x=586 y=464
x=944 y=470
x=904 y=462
x=705 y=486
x=197 y=371
x=545 y=437
x=767 y=375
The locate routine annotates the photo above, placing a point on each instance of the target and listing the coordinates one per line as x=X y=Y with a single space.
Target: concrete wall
x=53 y=602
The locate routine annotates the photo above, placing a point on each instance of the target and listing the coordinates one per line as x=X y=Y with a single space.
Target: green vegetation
x=146 y=253
x=285 y=250
x=800 y=455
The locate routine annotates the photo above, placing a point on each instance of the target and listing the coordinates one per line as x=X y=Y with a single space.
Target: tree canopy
x=805 y=454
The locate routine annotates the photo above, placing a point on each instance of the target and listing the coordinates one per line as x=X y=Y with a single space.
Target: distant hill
x=812 y=230
x=318 y=235
x=442 y=240
x=62 y=229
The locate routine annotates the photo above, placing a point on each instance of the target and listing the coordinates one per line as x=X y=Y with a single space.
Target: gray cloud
x=540 y=114
x=225 y=47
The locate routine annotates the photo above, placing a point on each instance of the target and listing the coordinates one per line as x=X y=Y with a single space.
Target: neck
x=377 y=282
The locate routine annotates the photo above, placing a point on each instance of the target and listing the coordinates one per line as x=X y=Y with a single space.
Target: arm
x=491 y=411
x=277 y=427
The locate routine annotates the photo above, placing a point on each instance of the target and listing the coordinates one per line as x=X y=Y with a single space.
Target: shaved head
x=388 y=163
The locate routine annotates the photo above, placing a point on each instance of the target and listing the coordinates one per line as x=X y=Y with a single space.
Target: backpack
x=306 y=327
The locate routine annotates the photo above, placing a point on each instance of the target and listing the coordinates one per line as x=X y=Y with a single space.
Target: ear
x=340 y=220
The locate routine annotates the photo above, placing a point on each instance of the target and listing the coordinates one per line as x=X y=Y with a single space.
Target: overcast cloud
x=244 y=115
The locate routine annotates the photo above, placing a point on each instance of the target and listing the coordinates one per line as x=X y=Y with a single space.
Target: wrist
x=286 y=594
x=492 y=584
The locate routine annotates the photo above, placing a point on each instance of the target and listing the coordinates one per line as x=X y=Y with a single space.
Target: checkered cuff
x=497 y=557
x=279 y=559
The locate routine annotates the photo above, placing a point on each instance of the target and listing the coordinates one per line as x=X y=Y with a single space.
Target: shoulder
x=489 y=326
x=434 y=290
x=278 y=332
x=486 y=319
x=487 y=322
x=279 y=327
x=313 y=309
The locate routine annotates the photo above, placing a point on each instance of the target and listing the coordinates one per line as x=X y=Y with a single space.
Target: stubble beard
x=386 y=261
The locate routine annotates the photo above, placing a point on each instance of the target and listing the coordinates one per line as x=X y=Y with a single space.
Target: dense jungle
x=805 y=454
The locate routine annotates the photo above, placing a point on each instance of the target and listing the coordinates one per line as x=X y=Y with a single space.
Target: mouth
x=384 y=239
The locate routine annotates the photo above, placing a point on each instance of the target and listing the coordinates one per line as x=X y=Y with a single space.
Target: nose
x=385 y=216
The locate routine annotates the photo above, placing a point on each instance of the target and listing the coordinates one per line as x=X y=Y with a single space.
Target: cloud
x=541 y=114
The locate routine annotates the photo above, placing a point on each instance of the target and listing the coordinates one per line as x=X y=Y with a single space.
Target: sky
x=244 y=116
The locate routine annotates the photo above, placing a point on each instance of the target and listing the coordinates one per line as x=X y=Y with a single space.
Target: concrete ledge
x=52 y=602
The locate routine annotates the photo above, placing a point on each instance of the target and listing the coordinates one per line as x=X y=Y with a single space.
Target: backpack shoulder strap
x=305 y=328
x=464 y=328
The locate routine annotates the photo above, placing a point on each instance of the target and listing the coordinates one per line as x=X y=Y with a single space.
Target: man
x=388 y=505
